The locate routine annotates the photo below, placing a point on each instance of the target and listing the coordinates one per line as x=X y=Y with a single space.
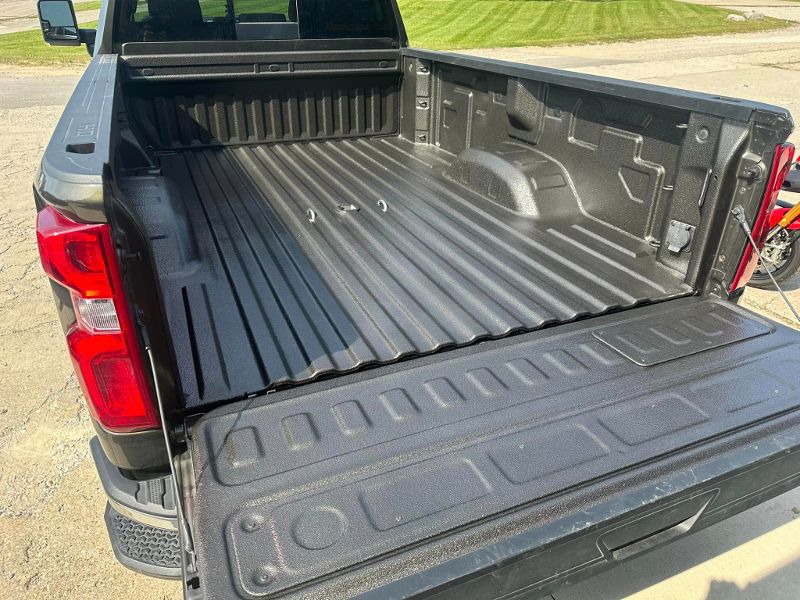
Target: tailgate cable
x=739 y=215
x=187 y=542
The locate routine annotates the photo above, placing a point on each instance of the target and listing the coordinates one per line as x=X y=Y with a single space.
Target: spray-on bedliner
x=306 y=259
x=348 y=484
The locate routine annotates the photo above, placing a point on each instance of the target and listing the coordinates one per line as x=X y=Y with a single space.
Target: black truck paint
x=414 y=318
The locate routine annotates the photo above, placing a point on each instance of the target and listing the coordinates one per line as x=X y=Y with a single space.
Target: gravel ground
x=52 y=537
x=53 y=542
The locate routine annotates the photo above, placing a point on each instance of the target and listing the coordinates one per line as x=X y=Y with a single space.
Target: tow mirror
x=58 y=22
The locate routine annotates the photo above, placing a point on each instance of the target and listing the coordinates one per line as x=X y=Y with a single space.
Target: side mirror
x=58 y=22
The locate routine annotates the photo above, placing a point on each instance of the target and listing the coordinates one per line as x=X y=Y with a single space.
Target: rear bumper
x=137 y=451
x=141 y=518
x=589 y=537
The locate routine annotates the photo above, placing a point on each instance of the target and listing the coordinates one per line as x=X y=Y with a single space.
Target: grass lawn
x=90 y=5
x=453 y=24
x=28 y=48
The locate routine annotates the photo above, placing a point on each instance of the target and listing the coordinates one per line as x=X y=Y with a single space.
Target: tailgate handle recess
x=622 y=551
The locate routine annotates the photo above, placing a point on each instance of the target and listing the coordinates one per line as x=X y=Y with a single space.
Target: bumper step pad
x=143 y=548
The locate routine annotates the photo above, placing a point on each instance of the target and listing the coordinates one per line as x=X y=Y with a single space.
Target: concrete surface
x=780 y=9
x=15 y=9
x=53 y=542
x=27 y=23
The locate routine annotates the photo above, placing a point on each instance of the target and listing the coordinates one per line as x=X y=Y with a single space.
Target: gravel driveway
x=53 y=542
x=52 y=538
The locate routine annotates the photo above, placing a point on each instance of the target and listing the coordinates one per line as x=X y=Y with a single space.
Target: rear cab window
x=208 y=20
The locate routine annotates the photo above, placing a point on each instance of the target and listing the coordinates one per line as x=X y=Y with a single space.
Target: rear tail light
x=102 y=341
x=784 y=155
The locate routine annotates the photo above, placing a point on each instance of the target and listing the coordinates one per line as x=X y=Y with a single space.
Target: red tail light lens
x=102 y=342
x=112 y=380
x=74 y=254
x=784 y=155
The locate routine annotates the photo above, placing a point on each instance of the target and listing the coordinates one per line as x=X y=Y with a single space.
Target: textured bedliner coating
x=282 y=263
x=311 y=488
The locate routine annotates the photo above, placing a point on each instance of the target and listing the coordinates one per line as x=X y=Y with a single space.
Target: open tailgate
x=508 y=466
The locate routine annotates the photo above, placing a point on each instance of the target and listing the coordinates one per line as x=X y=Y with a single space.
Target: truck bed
x=400 y=260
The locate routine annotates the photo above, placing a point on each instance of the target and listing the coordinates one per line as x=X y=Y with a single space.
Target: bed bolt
x=264 y=575
x=252 y=523
x=382 y=205
x=423 y=104
x=422 y=137
x=754 y=173
x=424 y=69
x=702 y=135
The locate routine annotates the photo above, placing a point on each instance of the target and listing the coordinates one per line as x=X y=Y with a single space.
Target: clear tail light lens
x=96 y=314
x=102 y=342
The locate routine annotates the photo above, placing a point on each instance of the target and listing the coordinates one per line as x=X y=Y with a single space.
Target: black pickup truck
x=355 y=319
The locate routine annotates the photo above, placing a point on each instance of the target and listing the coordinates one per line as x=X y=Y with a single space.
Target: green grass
x=216 y=8
x=454 y=24
x=91 y=5
x=28 y=48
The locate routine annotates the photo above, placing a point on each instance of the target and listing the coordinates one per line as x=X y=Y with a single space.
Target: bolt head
x=264 y=575
x=252 y=523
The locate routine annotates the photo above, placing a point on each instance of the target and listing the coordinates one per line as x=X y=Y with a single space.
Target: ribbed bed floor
x=398 y=261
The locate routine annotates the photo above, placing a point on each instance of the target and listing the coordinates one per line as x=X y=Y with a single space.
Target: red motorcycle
x=781 y=252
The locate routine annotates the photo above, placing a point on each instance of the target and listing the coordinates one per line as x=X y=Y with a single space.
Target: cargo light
x=102 y=341
x=784 y=155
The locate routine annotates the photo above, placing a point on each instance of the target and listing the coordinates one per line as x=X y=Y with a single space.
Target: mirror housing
x=60 y=26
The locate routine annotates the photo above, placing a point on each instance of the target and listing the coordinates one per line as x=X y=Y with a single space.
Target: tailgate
x=575 y=446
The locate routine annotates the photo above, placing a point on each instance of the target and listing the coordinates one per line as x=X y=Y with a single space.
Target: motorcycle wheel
x=785 y=271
